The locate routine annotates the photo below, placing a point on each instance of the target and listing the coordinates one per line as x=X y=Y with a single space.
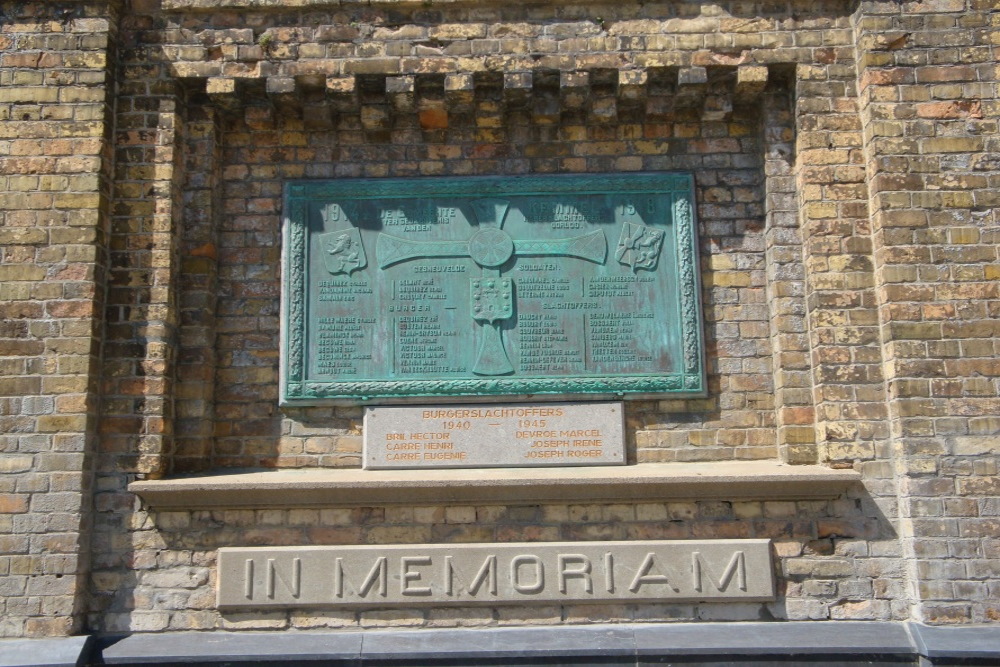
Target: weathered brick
x=810 y=297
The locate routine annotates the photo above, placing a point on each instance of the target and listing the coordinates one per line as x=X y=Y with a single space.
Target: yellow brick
x=76 y=94
x=23 y=272
x=22 y=183
x=729 y=279
x=952 y=145
x=28 y=78
x=22 y=236
x=721 y=262
x=799 y=454
x=964 y=235
x=294 y=139
x=825 y=156
x=799 y=434
x=64 y=385
x=28 y=94
x=89 y=200
x=953 y=200
x=821 y=210
x=163 y=172
x=220 y=85
x=93 y=59
x=62 y=423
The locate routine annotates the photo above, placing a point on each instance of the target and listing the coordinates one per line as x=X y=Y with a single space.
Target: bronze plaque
x=537 y=286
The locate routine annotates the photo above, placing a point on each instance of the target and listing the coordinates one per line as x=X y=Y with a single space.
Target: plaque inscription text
x=491 y=436
x=543 y=285
x=511 y=573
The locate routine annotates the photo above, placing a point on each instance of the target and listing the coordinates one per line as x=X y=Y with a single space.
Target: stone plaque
x=472 y=287
x=511 y=573
x=484 y=436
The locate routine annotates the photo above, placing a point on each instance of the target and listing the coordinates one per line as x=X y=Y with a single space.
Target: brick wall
x=844 y=158
x=819 y=545
x=751 y=105
x=928 y=85
x=263 y=149
x=54 y=188
x=307 y=95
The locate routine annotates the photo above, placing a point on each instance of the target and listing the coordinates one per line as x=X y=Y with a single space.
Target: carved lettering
x=419 y=290
x=532 y=287
x=248 y=581
x=649 y=573
x=419 y=347
x=487 y=574
x=338 y=577
x=341 y=342
x=609 y=572
x=538 y=578
x=545 y=345
x=449 y=576
x=574 y=566
x=609 y=335
x=413 y=437
x=293 y=583
x=497 y=573
x=407 y=575
x=379 y=574
x=736 y=567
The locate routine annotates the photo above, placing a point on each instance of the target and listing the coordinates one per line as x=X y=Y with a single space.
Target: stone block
x=55 y=652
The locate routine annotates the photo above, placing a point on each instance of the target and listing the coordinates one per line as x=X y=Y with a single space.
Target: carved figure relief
x=639 y=246
x=343 y=251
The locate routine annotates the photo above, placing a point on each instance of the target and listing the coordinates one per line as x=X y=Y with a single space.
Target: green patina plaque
x=461 y=287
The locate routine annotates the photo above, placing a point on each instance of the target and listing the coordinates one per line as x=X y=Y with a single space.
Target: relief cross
x=490 y=247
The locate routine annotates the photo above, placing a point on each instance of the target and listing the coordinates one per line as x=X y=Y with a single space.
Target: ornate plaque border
x=297 y=389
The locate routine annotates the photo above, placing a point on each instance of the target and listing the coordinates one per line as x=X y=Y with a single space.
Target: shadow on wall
x=832 y=560
x=725 y=156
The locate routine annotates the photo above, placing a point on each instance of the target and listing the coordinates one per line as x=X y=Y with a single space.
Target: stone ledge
x=216 y=5
x=731 y=480
x=957 y=643
x=51 y=652
x=828 y=643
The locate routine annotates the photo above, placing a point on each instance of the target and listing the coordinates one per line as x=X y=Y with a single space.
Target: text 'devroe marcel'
x=484 y=436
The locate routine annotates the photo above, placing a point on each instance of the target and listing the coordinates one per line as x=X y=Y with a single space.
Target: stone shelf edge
x=204 y=5
x=736 y=480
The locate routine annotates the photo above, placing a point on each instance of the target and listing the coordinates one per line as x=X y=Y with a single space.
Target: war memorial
x=420 y=332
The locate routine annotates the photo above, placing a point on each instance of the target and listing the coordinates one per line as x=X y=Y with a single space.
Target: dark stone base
x=826 y=644
x=56 y=652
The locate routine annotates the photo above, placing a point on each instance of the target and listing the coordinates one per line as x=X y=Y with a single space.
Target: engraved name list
x=574 y=286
